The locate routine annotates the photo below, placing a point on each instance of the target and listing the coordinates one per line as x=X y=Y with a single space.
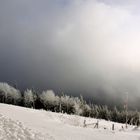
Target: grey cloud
x=84 y=47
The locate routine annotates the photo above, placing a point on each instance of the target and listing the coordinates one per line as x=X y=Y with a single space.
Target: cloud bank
x=87 y=47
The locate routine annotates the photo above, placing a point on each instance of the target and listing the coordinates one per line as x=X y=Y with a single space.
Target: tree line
x=47 y=100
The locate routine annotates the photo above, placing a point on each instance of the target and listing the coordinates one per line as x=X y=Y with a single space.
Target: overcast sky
x=89 y=47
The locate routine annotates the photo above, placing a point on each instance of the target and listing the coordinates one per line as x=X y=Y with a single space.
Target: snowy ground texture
x=18 y=123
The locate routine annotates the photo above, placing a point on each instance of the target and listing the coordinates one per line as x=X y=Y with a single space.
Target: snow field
x=19 y=123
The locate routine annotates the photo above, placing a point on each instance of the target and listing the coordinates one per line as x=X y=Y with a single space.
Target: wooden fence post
x=113 y=126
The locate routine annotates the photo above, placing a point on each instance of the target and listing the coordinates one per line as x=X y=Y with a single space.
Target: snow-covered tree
x=50 y=100
x=67 y=104
x=29 y=98
x=9 y=94
x=77 y=106
x=104 y=113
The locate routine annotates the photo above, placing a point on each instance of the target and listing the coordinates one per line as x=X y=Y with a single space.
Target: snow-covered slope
x=18 y=123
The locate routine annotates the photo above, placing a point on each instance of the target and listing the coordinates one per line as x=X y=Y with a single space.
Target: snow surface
x=18 y=123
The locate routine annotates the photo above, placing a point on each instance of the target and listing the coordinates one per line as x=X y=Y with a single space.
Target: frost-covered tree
x=104 y=113
x=115 y=114
x=95 y=111
x=50 y=100
x=29 y=98
x=77 y=106
x=67 y=104
x=9 y=94
x=81 y=107
x=86 y=110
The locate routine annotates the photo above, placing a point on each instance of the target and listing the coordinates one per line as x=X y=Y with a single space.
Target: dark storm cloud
x=81 y=47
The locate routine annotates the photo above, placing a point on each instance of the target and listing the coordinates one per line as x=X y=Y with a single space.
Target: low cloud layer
x=87 y=47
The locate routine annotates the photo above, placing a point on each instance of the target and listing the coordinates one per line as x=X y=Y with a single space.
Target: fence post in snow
x=113 y=126
x=96 y=124
x=84 y=123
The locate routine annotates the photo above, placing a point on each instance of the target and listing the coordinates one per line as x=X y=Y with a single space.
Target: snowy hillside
x=18 y=123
